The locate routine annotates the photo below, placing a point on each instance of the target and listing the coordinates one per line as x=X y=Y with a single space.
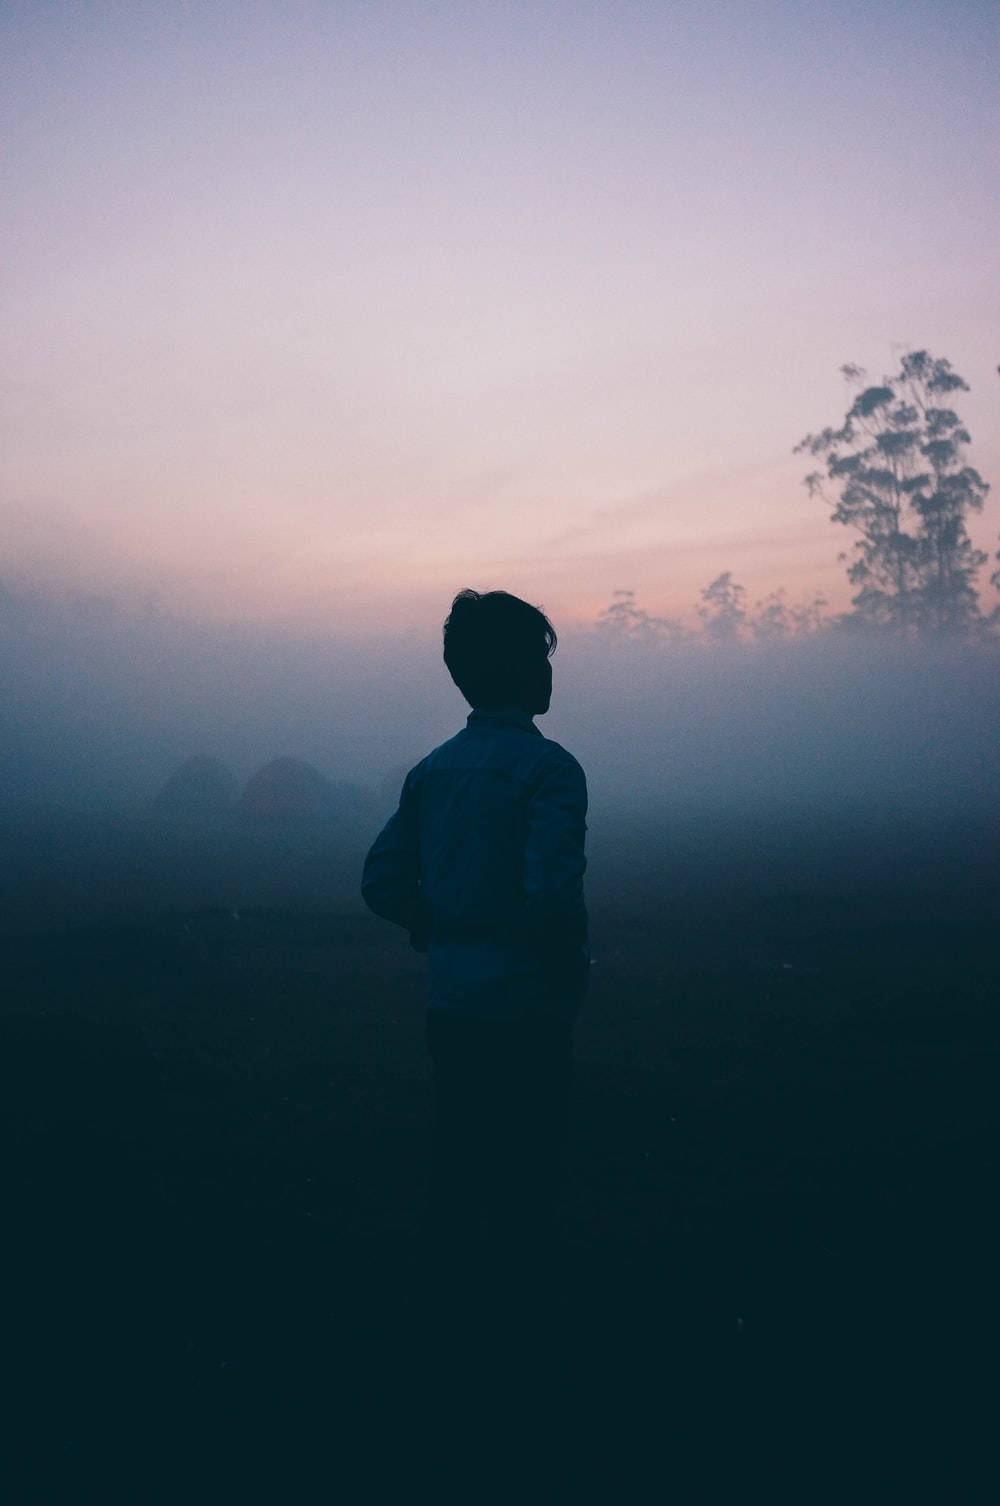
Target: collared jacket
x=483 y=864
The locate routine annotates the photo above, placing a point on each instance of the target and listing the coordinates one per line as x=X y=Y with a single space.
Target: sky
x=315 y=313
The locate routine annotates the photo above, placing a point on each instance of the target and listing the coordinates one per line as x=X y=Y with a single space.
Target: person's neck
x=502 y=711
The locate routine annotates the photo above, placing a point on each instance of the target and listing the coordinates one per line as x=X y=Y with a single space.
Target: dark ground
x=777 y=1255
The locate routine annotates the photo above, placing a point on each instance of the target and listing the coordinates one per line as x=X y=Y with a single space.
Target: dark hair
x=495 y=645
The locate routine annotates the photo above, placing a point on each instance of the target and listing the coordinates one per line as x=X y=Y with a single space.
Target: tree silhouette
x=723 y=613
x=773 y=619
x=627 y=620
x=895 y=472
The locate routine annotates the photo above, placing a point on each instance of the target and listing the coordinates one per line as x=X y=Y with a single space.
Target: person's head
x=497 y=649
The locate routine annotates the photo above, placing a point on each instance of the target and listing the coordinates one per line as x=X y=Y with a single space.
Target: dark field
x=776 y=1247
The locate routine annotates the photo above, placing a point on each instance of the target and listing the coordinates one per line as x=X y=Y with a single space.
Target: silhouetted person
x=483 y=863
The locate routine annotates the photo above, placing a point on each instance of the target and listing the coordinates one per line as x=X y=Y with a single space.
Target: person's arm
x=554 y=865
x=390 y=882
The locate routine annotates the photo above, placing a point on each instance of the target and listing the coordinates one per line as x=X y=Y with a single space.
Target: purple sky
x=318 y=312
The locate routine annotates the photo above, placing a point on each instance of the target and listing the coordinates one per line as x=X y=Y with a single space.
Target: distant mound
x=288 y=789
x=200 y=787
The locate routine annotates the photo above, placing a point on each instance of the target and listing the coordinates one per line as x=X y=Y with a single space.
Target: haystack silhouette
x=287 y=789
x=202 y=786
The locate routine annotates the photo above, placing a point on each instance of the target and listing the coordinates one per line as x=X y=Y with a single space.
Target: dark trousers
x=501 y=1111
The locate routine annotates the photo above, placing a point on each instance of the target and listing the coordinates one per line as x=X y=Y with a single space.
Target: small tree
x=723 y=613
x=771 y=620
x=895 y=472
x=808 y=618
x=626 y=620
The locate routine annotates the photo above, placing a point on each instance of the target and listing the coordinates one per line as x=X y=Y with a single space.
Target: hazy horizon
x=101 y=707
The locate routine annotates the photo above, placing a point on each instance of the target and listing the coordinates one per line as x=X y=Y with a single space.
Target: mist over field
x=843 y=749
x=100 y=707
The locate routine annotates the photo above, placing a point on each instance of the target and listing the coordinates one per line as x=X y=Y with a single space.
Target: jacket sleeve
x=390 y=882
x=554 y=865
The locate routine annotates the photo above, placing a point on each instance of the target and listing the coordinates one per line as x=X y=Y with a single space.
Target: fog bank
x=99 y=708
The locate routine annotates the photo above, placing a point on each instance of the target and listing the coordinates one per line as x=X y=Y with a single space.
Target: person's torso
x=475 y=795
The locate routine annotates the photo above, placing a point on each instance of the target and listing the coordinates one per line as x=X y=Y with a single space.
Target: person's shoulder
x=416 y=773
x=449 y=744
x=558 y=778
x=443 y=756
x=553 y=756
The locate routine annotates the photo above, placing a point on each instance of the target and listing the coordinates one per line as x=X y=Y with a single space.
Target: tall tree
x=895 y=472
